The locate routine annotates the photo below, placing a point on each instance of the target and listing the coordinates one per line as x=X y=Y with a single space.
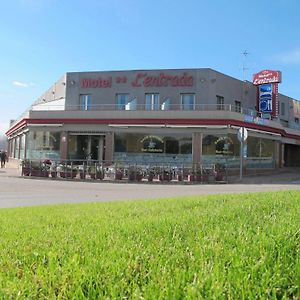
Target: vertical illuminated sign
x=265 y=98
x=267 y=91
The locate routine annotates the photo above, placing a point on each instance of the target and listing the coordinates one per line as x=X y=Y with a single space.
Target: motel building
x=173 y=116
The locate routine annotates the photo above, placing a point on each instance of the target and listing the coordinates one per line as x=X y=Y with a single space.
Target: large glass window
x=150 y=148
x=152 y=102
x=22 y=146
x=258 y=147
x=17 y=147
x=187 y=101
x=220 y=145
x=121 y=101
x=85 y=102
x=43 y=144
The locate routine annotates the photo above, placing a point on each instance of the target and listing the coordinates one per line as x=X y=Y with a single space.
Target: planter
x=118 y=175
x=82 y=175
x=205 y=178
x=36 y=173
x=138 y=177
x=167 y=177
x=99 y=175
x=25 y=171
x=73 y=174
x=131 y=177
x=219 y=176
x=44 y=173
x=191 y=177
x=179 y=177
x=62 y=174
x=150 y=177
x=198 y=177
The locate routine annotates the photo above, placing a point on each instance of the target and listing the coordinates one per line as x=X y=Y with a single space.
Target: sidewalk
x=284 y=175
x=11 y=169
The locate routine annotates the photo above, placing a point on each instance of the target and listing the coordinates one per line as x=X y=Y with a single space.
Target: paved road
x=16 y=191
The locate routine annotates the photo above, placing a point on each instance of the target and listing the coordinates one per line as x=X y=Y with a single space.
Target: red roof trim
x=26 y=121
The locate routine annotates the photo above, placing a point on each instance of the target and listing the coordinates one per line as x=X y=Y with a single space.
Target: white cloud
x=290 y=57
x=22 y=84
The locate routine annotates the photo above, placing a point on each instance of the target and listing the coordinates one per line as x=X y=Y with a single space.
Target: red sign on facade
x=162 y=79
x=96 y=83
x=141 y=79
x=267 y=76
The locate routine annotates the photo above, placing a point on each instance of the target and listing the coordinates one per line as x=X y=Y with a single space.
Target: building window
x=152 y=102
x=187 y=101
x=43 y=144
x=282 y=108
x=85 y=102
x=121 y=101
x=238 y=106
x=220 y=103
x=297 y=120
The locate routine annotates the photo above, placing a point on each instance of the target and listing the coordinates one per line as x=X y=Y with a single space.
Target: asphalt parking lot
x=17 y=191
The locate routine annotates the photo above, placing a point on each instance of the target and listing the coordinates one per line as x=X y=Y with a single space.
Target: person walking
x=3 y=158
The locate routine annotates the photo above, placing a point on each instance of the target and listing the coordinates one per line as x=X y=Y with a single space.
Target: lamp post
x=242 y=137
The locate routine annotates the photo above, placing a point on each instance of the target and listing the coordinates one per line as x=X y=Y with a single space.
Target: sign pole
x=241 y=156
x=242 y=137
x=241 y=153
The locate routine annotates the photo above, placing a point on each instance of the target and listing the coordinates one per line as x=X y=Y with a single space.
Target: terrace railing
x=144 y=107
x=124 y=171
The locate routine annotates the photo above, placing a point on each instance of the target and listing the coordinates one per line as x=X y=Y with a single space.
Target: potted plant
x=92 y=170
x=191 y=176
x=119 y=174
x=205 y=175
x=167 y=175
x=138 y=174
x=219 y=172
x=131 y=173
x=67 y=171
x=198 y=174
x=82 y=171
x=53 y=170
x=99 y=173
x=150 y=175
x=135 y=173
x=26 y=167
x=62 y=170
x=39 y=169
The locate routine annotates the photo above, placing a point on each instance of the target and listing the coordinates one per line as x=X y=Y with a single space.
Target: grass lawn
x=241 y=246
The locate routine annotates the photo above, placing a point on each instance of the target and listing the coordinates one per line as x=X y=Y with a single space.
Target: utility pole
x=244 y=67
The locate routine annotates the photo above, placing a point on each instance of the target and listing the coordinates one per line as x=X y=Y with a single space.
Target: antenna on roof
x=245 y=68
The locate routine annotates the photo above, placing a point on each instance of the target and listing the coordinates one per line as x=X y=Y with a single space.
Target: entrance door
x=96 y=144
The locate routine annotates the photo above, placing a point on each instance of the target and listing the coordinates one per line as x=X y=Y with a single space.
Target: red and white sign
x=267 y=76
x=267 y=91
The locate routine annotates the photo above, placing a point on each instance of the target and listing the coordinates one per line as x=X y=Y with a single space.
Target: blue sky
x=40 y=40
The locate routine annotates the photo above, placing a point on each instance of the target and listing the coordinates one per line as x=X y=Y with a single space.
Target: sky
x=40 y=40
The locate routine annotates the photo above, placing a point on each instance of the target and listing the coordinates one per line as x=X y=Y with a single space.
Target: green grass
x=242 y=246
